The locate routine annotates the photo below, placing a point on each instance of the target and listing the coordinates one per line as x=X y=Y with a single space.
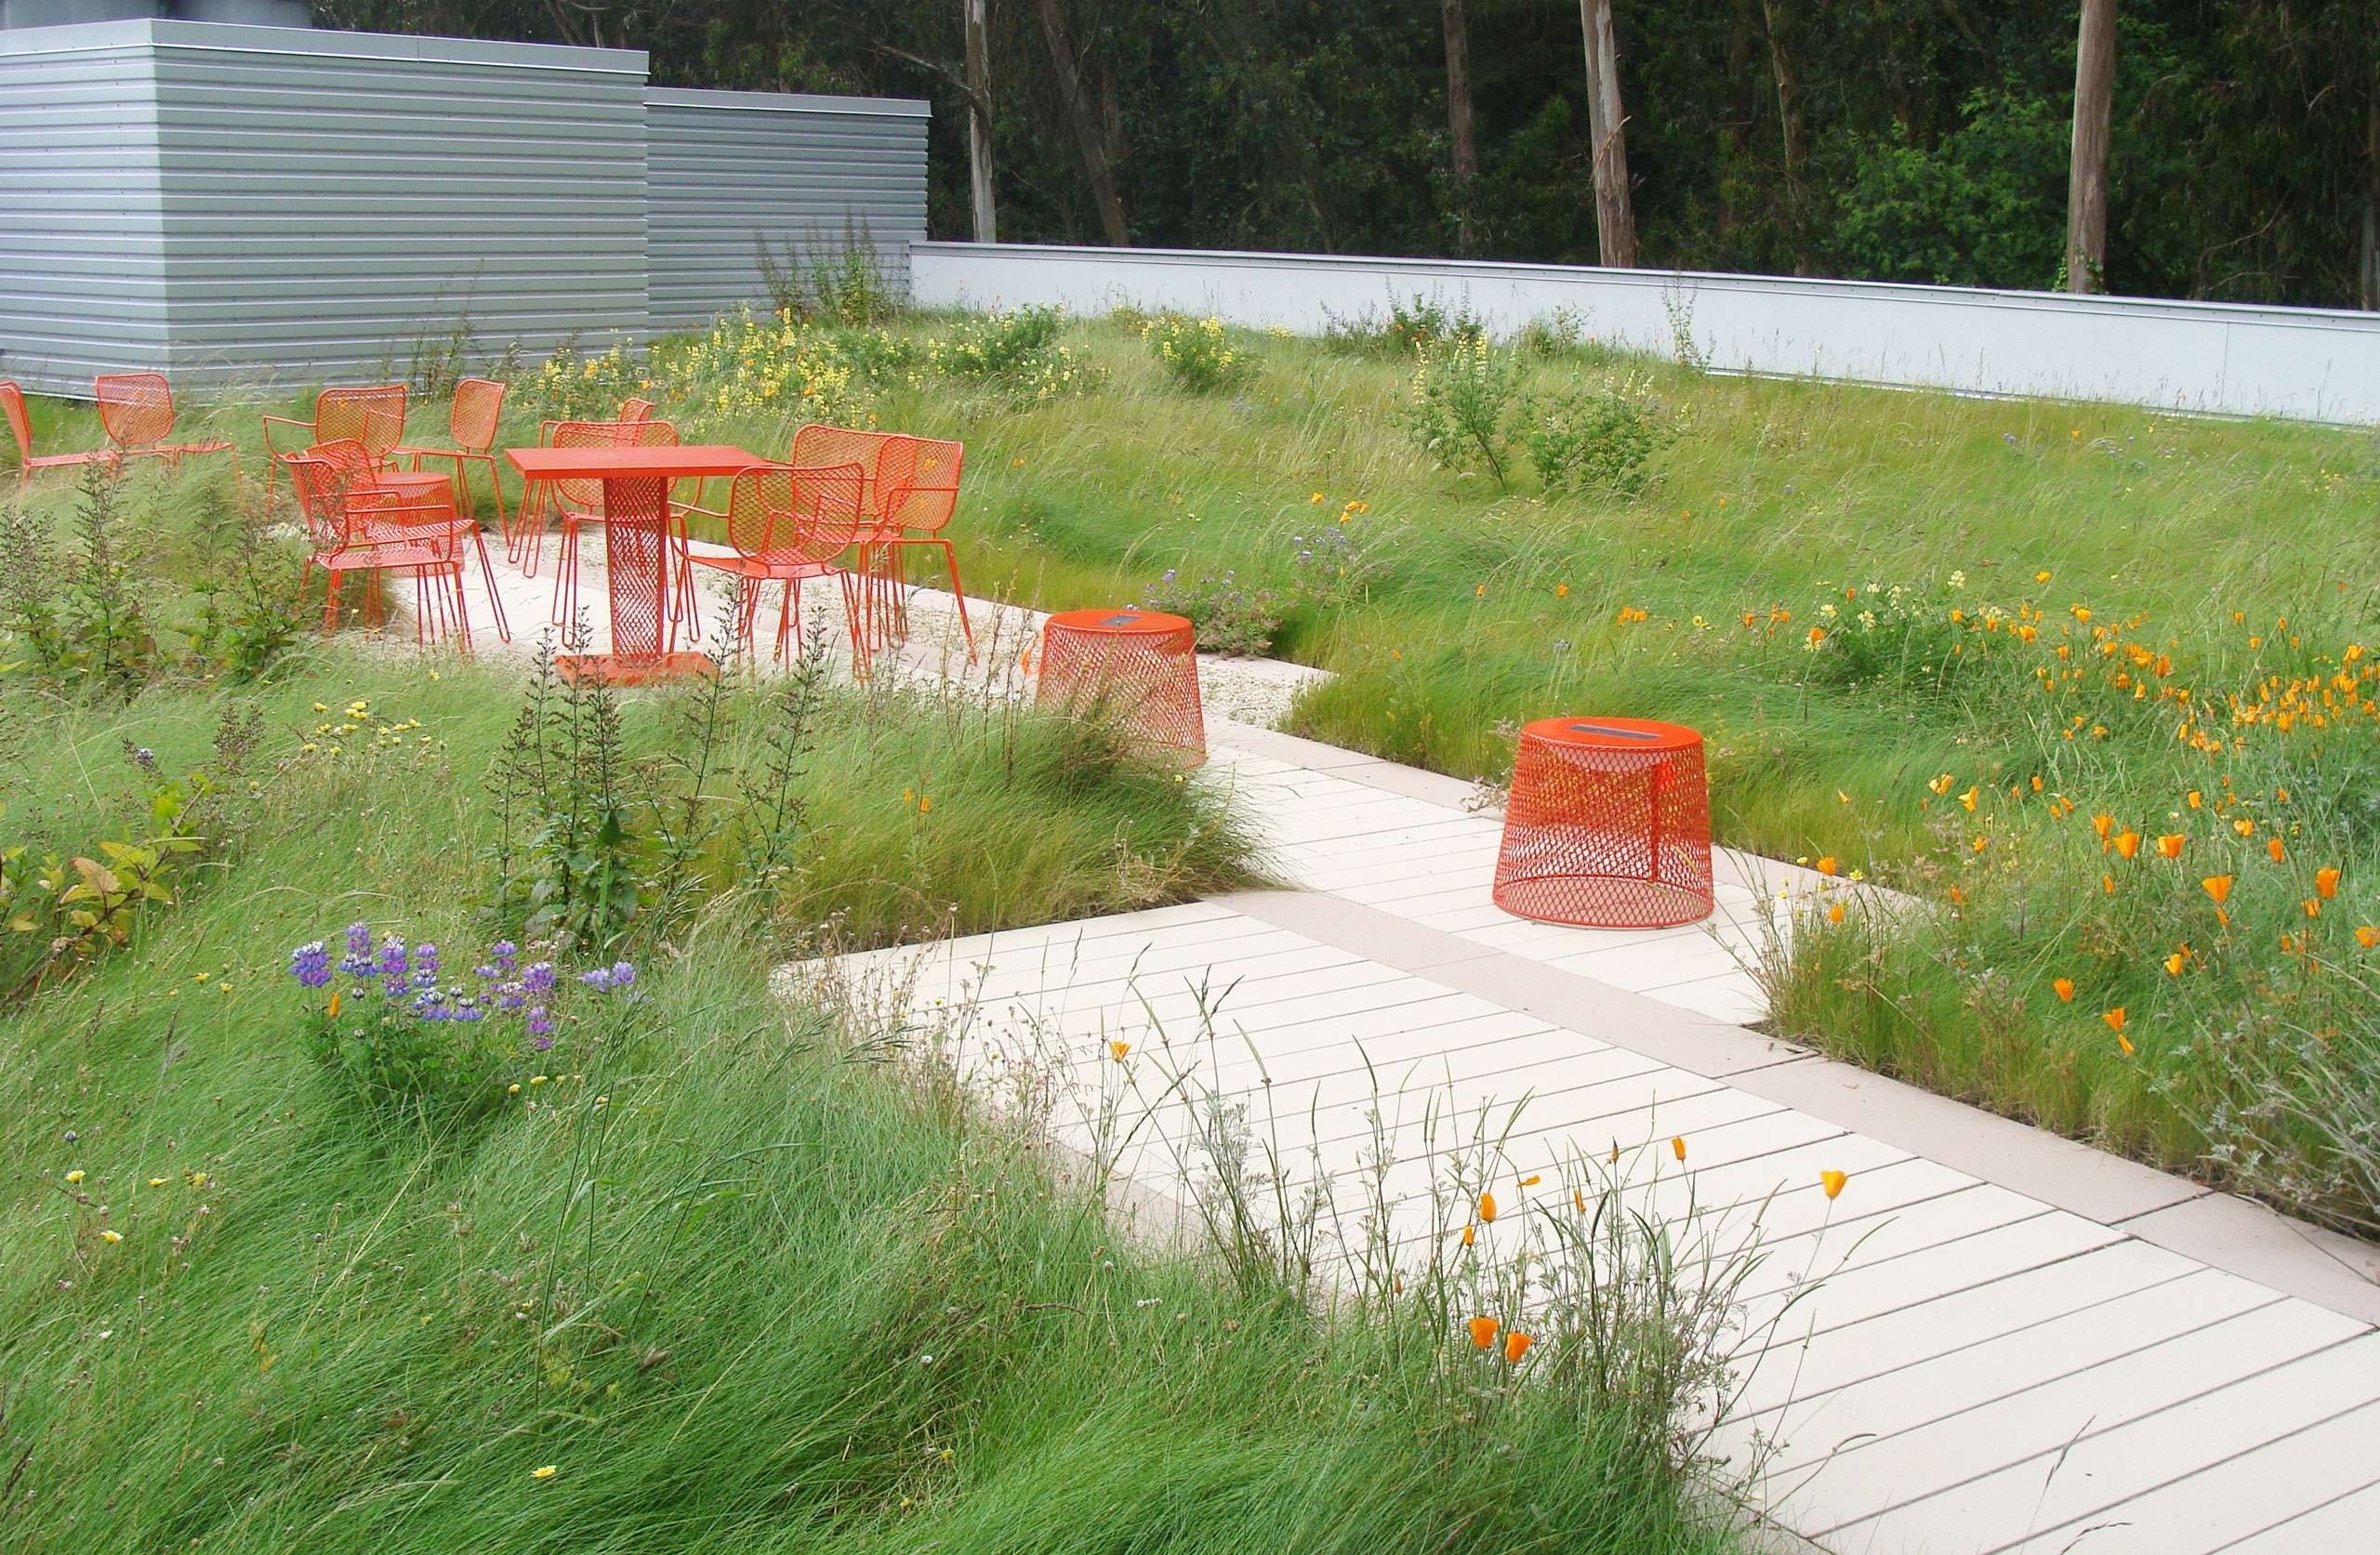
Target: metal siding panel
x=728 y=169
x=327 y=212
x=82 y=265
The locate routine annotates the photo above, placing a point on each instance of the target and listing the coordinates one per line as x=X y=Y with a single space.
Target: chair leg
x=959 y=595
x=330 y=602
x=495 y=484
x=487 y=572
x=854 y=591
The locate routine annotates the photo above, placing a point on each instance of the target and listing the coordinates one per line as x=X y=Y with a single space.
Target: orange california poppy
x=1515 y=1346
x=1118 y=1050
x=2175 y=962
x=1828 y=865
x=2326 y=882
x=1483 y=1331
x=2114 y=1018
x=1531 y=1181
x=2107 y=884
x=1486 y=1207
x=2127 y=843
x=2218 y=887
x=2272 y=846
x=334 y=1011
x=1834 y=912
x=1677 y=1147
x=2126 y=1043
x=2368 y=936
x=1470 y=1234
x=2104 y=825
x=1833 y=1181
x=2170 y=845
x=1958 y=897
x=1967 y=799
x=2065 y=986
x=1579 y=1199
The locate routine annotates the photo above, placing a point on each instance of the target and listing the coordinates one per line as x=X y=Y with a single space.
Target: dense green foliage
x=1926 y=138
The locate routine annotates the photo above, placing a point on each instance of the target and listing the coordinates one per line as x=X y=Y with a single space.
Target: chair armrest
x=272 y=421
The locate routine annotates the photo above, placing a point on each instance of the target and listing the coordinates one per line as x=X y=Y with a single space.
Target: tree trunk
x=1084 y=121
x=1778 y=16
x=1459 y=119
x=2086 y=189
x=979 y=122
x=2367 y=272
x=1615 y=220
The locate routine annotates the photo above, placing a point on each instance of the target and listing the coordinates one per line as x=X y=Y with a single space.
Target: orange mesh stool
x=1139 y=666
x=1608 y=825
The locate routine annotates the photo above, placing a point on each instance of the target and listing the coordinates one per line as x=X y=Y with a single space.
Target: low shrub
x=1198 y=354
x=1593 y=439
x=1235 y=619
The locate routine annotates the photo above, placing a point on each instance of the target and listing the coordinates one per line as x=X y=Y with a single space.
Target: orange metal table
x=1608 y=825
x=636 y=544
x=1139 y=666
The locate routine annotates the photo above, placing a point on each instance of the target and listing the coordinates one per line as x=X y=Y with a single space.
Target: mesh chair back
x=136 y=409
x=586 y=497
x=819 y=446
x=21 y=426
x=635 y=410
x=916 y=482
x=787 y=518
x=374 y=417
x=478 y=403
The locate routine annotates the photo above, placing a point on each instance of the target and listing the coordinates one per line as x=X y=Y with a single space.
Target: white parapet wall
x=2299 y=363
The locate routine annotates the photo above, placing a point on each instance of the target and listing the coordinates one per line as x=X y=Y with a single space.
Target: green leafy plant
x=1460 y=404
x=1198 y=354
x=1235 y=619
x=1595 y=439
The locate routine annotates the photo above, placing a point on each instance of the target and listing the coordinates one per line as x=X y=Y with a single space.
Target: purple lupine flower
x=359 y=938
x=541 y=1043
x=623 y=974
x=600 y=979
x=539 y=977
x=425 y=957
x=509 y=996
x=311 y=965
x=541 y=1027
x=393 y=957
x=506 y=956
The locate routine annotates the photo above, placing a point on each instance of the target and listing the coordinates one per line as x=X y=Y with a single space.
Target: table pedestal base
x=631 y=669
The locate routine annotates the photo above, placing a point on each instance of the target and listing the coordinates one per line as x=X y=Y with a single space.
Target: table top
x=1127 y=620
x=628 y=463
x=1597 y=733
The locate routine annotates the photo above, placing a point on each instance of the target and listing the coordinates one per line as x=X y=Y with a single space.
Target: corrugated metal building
x=242 y=203
x=728 y=170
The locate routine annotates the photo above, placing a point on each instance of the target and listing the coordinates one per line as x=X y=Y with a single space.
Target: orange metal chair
x=917 y=491
x=576 y=504
x=789 y=525
x=137 y=410
x=418 y=495
x=342 y=412
x=471 y=422
x=357 y=526
x=21 y=426
x=817 y=446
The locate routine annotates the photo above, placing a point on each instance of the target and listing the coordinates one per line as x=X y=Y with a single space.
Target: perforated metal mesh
x=1146 y=681
x=374 y=417
x=635 y=543
x=472 y=417
x=136 y=409
x=1605 y=837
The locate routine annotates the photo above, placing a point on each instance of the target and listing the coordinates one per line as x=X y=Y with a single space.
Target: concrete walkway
x=2014 y=1341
